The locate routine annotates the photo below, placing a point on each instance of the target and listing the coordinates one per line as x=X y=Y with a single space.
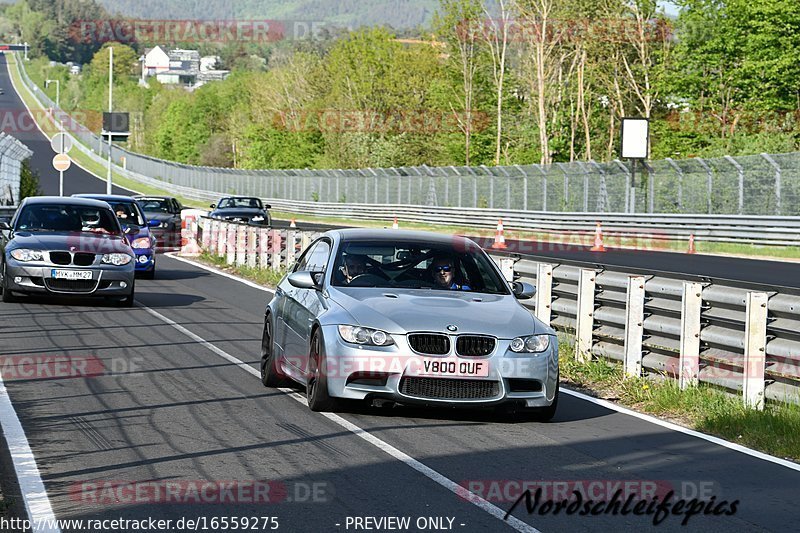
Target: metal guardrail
x=743 y=341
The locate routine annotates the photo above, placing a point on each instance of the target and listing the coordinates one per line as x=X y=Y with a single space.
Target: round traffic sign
x=61 y=162
x=61 y=143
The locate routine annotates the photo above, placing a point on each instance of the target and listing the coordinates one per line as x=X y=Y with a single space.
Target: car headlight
x=530 y=344
x=142 y=242
x=23 y=254
x=117 y=259
x=365 y=336
x=257 y=218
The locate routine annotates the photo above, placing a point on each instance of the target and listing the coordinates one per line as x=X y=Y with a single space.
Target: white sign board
x=635 y=136
x=61 y=143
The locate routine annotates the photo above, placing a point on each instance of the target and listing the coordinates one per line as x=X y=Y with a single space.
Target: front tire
x=149 y=274
x=319 y=399
x=128 y=300
x=270 y=375
x=8 y=298
x=546 y=414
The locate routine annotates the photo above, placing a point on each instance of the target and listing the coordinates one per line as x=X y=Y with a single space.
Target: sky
x=669 y=7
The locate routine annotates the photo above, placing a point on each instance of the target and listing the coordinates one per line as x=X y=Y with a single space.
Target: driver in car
x=354 y=266
x=443 y=271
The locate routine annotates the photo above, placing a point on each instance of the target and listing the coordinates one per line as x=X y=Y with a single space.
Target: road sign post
x=61 y=143
x=635 y=133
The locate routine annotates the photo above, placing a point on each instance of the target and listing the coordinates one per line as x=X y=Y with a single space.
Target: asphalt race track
x=17 y=122
x=166 y=404
x=162 y=407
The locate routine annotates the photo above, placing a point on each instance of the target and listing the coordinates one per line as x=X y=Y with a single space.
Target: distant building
x=180 y=67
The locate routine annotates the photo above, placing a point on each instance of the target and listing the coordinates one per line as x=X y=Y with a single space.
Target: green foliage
x=28 y=182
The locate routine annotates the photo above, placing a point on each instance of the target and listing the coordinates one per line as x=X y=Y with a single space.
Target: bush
x=28 y=182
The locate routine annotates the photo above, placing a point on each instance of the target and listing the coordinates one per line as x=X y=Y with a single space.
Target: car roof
x=393 y=235
x=106 y=197
x=141 y=197
x=65 y=200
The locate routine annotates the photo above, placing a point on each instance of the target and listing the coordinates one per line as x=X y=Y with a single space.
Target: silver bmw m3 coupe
x=66 y=247
x=409 y=317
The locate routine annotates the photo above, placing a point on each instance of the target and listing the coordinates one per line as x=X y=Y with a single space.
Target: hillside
x=352 y=13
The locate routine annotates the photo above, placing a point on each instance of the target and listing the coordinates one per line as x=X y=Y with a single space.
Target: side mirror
x=523 y=291
x=4 y=225
x=213 y=206
x=153 y=223
x=303 y=280
x=267 y=206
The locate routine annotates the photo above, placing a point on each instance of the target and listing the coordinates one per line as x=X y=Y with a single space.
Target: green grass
x=774 y=430
x=267 y=277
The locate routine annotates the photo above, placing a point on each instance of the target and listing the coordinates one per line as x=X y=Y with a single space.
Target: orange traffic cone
x=499 y=239
x=691 y=249
x=598 y=240
x=293 y=225
x=395 y=225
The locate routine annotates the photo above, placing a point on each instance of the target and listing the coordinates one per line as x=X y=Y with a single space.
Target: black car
x=249 y=210
x=167 y=210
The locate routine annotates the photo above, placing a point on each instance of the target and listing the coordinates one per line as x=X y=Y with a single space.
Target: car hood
x=77 y=242
x=407 y=310
x=161 y=217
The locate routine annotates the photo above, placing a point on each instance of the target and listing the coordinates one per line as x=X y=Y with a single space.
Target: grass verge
x=774 y=431
x=266 y=277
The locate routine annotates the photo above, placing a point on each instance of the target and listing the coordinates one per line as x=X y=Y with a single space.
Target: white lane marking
x=614 y=407
x=173 y=255
x=37 y=504
x=406 y=459
x=686 y=431
x=16 y=89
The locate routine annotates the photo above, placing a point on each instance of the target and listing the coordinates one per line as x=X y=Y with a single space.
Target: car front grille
x=449 y=389
x=66 y=258
x=83 y=259
x=475 y=345
x=429 y=343
x=60 y=258
x=71 y=285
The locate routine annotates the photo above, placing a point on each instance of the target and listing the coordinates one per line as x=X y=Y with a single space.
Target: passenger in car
x=443 y=272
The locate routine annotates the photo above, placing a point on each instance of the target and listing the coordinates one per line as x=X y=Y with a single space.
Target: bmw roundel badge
x=452 y=327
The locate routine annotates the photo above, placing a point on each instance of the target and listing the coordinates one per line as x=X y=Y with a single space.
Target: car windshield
x=155 y=205
x=247 y=203
x=415 y=265
x=67 y=218
x=128 y=213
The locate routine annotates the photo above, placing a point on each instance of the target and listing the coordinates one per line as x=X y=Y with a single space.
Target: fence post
x=222 y=239
x=252 y=246
x=291 y=239
x=740 y=170
x=634 y=326
x=305 y=240
x=524 y=188
x=276 y=249
x=585 y=315
x=679 y=171
x=230 y=246
x=777 y=168
x=241 y=245
x=755 y=349
x=691 y=308
x=263 y=247
x=544 y=292
x=709 y=181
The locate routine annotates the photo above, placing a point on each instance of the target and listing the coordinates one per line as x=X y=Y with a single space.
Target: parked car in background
x=66 y=247
x=136 y=227
x=167 y=210
x=249 y=210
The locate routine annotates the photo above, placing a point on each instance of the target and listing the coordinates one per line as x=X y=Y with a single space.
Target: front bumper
x=107 y=280
x=360 y=373
x=145 y=259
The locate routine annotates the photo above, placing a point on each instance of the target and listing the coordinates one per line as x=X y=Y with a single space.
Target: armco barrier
x=744 y=341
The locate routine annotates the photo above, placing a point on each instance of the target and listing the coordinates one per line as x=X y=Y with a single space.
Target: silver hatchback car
x=66 y=247
x=409 y=317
